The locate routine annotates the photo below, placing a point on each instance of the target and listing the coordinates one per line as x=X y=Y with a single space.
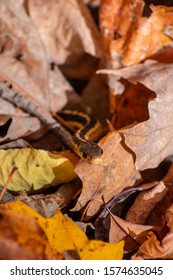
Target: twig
x=30 y=106
x=126 y=233
x=8 y=181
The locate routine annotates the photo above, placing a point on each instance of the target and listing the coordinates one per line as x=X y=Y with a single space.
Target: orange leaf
x=128 y=37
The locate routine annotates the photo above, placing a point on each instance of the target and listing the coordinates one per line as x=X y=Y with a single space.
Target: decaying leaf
x=156 y=249
x=47 y=204
x=112 y=175
x=63 y=235
x=129 y=37
x=36 y=169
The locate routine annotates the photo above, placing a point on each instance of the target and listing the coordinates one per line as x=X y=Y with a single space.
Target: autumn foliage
x=114 y=60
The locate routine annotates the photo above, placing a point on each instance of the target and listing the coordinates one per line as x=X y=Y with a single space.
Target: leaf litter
x=119 y=70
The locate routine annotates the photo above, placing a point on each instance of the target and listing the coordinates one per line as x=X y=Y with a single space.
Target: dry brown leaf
x=24 y=63
x=156 y=249
x=46 y=205
x=24 y=44
x=165 y=203
x=93 y=3
x=132 y=103
x=112 y=175
x=135 y=234
x=151 y=141
x=115 y=22
x=18 y=126
x=63 y=32
x=128 y=37
x=97 y=104
x=145 y=203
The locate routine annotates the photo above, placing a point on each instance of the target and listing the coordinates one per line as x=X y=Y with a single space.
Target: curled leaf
x=153 y=248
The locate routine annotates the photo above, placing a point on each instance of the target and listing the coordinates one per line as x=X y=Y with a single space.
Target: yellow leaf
x=99 y=250
x=21 y=237
x=36 y=169
x=64 y=234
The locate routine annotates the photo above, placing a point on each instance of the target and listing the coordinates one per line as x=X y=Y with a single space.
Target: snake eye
x=84 y=154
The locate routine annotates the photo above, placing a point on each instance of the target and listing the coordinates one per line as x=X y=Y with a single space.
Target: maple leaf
x=111 y=176
x=151 y=141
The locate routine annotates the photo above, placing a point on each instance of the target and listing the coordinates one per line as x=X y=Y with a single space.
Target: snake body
x=87 y=129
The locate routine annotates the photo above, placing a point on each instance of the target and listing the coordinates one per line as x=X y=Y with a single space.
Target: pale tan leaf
x=66 y=27
x=151 y=140
x=111 y=176
x=15 y=127
x=134 y=233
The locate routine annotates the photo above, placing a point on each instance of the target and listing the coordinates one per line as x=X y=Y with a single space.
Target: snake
x=86 y=129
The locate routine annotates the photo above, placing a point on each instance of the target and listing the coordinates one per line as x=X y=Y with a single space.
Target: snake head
x=91 y=152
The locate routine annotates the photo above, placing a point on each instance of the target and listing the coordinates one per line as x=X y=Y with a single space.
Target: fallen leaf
x=99 y=250
x=24 y=63
x=97 y=103
x=115 y=23
x=14 y=127
x=133 y=234
x=20 y=143
x=45 y=169
x=165 y=203
x=47 y=204
x=153 y=248
x=145 y=203
x=117 y=205
x=129 y=37
x=111 y=176
x=63 y=235
x=70 y=34
x=151 y=140
x=21 y=237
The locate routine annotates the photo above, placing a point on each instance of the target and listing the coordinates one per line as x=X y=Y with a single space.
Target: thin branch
x=31 y=107
x=8 y=181
x=126 y=233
